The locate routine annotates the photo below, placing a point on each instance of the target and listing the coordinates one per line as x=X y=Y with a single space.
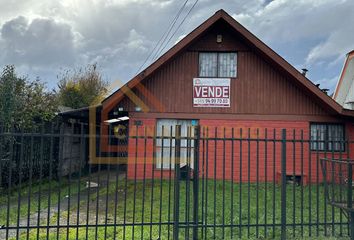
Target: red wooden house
x=226 y=80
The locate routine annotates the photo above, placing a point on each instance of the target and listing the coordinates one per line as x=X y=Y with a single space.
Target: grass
x=38 y=193
x=154 y=203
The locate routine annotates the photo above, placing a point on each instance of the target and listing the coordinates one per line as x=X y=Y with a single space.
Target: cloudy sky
x=43 y=38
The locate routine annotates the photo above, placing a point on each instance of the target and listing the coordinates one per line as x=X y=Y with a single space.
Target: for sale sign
x=211 y=92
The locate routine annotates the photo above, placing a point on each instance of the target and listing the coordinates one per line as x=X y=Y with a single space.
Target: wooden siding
x=259 y=87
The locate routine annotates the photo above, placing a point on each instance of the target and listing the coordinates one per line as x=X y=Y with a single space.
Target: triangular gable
x=300 y=80
x=345 y=83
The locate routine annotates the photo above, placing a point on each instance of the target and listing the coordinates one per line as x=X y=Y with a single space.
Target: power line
x=190 y=10
x=164 y=36
x=158 y=50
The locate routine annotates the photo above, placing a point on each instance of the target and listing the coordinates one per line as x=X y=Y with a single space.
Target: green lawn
x=38 y=193
x=154 y=202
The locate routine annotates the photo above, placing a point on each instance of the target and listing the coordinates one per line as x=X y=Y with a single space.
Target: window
x=165 y=149
x=212 y=64
x=327 y=137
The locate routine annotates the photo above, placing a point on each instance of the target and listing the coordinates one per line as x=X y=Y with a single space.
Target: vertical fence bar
x=116 y=199
x=265 y=181
x=88 y=182
x=340 y=197
x=126 y=181
x=332 y=194
x=51 y=151
x=170 y=141
x=108 y=169
x=177 y=176
x=350 y=198
x=152 y=180
x=340 y=193
x=346 y=141
x=223 y=187
x=29 y=187
x=302 y=182
x=19 y=185
x=1 y=153
x=59 y=175
x=232 y=182
x=135 y=178
x=9 y=183
x=186 y=155
x=317 y=184
x=294 y=181
x=41 y=159
x=325 y=199
x=206 y=183
x=125 y=168
x=196 y=182
x=257 y=183
x=82 y=161
x=161 y=175
x=326 y=178
x=248 y=182
x=274 y=180
x=144 y=184
x=283 y=185
x=310 y=186
x=215 y=172
x=70 y=139
x=98 y=186
x=240 y=189
x=203 y=178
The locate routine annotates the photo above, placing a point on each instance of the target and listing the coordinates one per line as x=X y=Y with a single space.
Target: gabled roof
x=300 y=80
x=343 y=93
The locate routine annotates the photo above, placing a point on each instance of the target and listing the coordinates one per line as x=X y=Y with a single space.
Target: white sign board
x=211 y=92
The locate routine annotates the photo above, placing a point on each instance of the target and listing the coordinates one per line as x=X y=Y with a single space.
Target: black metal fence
x=202 y=183
x=338 y=179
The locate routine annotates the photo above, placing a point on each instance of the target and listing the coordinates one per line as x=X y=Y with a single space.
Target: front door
x=165 y=143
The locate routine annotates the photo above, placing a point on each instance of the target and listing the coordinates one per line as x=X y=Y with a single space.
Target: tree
x=82 y=88
x=24 y=103
x=9 y=84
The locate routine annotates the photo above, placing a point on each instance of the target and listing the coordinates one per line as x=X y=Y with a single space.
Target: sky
x=44 y=38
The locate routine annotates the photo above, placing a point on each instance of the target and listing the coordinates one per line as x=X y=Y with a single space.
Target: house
x=344 y=92
x=227 y=81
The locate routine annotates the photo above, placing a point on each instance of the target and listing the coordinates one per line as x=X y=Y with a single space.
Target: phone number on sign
x=211 y=101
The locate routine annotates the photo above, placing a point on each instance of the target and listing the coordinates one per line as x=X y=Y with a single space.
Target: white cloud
x=119 y=34
x=37 y=42
x=328 y=22
x=284 y=20
x=338 y=43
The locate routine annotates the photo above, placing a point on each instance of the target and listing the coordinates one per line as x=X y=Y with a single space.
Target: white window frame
x=216 y=72
x=329 y=137
x=166 y=160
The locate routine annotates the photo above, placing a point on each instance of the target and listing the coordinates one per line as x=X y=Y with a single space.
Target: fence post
x=1 y=145
x=176 y=185
x=283 y=184
x=196 y=182
x=350 y=199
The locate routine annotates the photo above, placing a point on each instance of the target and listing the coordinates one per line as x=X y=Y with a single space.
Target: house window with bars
x=217 y=64
x=327 y=137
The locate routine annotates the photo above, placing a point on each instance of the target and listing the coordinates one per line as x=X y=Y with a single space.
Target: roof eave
x=252 y=39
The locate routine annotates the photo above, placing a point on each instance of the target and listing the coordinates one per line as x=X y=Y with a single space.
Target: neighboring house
x=344 y=93
x=220 y=75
